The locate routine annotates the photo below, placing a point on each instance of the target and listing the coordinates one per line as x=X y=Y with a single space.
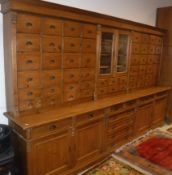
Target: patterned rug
x=151 y=152
x=112 y=166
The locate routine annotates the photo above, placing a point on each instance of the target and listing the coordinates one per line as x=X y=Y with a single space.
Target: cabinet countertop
x=34 y=120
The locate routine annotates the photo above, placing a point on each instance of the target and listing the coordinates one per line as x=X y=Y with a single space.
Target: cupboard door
x=143 y=118
x=52 y=156
x=89 y=141
x=159 y=112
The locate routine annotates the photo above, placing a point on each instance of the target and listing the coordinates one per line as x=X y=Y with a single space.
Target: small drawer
x=156 y=59
x=51 y=44
x=142 y=70
x=155 y=69
x=88 y=60
x=72 y=29
x=51 y=26
x=28 y=61
x=103 y=82
x=71 y=60
x=71 y=75
x=130 y=104
x=116 y=108
x=162 y=95
x=84 y=93
x=30 y=105
x=51 y=100
x=132 y=84
x=151 y=49
x=149 y=69
x=152 y=39
x=145 y=38
x=72 y=44
x=51 y=91
x=121 y=80
x=87 y=85
x=84 y=118
x=28 y=79
x=144 y=49
x=50 y=128
x=159 y=40
x=51 y=78
x=28 y=42
x=71 y=87
x=28 y=23
x=133 y=78
x=51 y=60
x=112 y=89
x=112 y=81
x=89 y=31
x=141 y=83
x=70 y=95
x=143 y=59
x=103 y=90
x=121 y=87
x=89 y=45
x=136 y=48
x=150 y=59
x=136 y=37
x=158 y=50
x=135 y=59
x=29 y=94
x=87 y=74
x=146 y=99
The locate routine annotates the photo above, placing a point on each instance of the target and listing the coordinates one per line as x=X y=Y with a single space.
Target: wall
x=143 y=11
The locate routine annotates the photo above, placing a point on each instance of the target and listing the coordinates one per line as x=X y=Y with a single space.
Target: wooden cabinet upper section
x=53 y=60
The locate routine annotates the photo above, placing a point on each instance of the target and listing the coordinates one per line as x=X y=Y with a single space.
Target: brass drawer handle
x=52 y=90
x=71 y=61
x=30 y=93
x=29 y=79
x=71 y=76
x=29 y=43
x=52 y=127
x=72 y=45
x=71 y=97
x=90 y=116
x=29 y=24
x=52 y=26
x=52 y=61
x=52 y=77
x=29 y=62
x=72 y=29
x=52 y=45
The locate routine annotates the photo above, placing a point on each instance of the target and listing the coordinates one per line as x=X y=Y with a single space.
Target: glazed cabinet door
x=52 y=155
x=89 y=141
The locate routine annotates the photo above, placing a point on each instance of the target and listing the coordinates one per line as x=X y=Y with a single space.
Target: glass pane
x=122 y=53
x=106 y=53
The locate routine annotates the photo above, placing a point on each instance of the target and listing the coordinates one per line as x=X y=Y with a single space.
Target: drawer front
x=121 y=80
x=51 y=100
x=51 y=60
x=149 y=69
x=29 y=94
x=28 y=61
x=84 y=118
x=158 y=50
x=72 y=44
x=27 y=42
x=135 y=48
x=88 y=60
x=28 y=23
x=89 y=31
x=150 y=59
x=50 y=128
x=135 y=59
x=51 y=26
x=28 y=79
x=87 y=74
x=145 y=38
x=143 y=59
x=156 y=59
x=72 y=29
x=103 y=90
x=151 y=49
x=89 y=45
x=142 y=70
x=112 y=89
x=71 y=75
x=51 y=78
x=152 y=39
x=51 y=91
x=29 y=105
x=84 y=93
x=144 y=49
x=87 y=85
x=136 y=37
x=112 y=81
x=51 y=44
x=71 y=60
x=103 y=82
x=134 y=70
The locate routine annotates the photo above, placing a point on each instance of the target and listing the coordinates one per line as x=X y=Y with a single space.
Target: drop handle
x=52 y=127
x=52 y=27
x=90 y=116
x=52 y=78
x=29 y=62
x=72 y=29
x=29 y=43
x=29 y=79
x=52 y=45
x=29 y=24
x=52 y=61
x=30 y=93
x=72 y=45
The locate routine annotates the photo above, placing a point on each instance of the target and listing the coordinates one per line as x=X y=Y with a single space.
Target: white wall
x=143 y=11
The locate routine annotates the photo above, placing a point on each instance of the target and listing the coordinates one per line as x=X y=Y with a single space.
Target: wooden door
x=52 y=155
x=89 y=142
x=159 y=112
x=143 y=118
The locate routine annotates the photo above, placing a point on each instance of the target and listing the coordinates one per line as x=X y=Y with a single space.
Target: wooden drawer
x=145 y=100
x=51 y=100
x=71 y=75
x=28 y=23
x=134 y=70
x=145 y=38
x=150 y=59
x=151 y=49
x=143 y=59
x=72 y=44
x=89 y=45
x=88 y=117
x=141 y=83
x=132 y=84
x=103 y=90
x=152 y=39
x=87 y=85
x=149 y=69
x=28 y=61
x=28 y=42
x=51 y=91
x=103 y=82
x=158 y=40
x=136 y=48
x=155 y=69
x=121 y=80
x=29 y=94
x=112 y=81
x=156 y=59
x=29 y=105
x=158 y=50
x=88 y=60
x=136 y=37
x=144 y=48
x=51 y=60
x=51 y=44
x=51 y=128
x=71 y=60
x=28 y=79
x=84 y=93
x=72 y=29
x=51 y=26
x=51 y=78
x=87 y=74
x=135 y=59
x=112 y=89
x=89 y=31
x=142 y=69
